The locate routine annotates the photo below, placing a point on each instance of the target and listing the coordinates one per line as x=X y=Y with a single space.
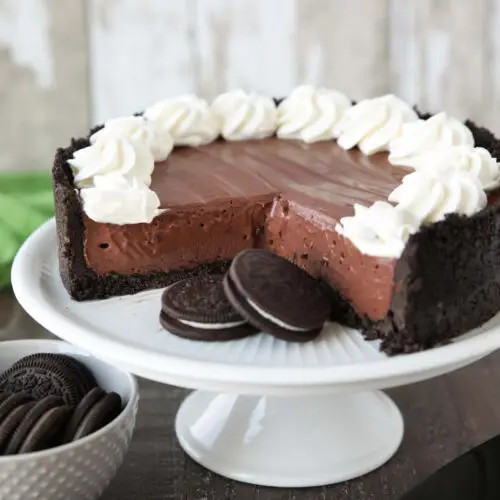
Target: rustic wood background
x=65 y=64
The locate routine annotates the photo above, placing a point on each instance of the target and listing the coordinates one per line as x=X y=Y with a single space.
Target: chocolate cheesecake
x=291 y=197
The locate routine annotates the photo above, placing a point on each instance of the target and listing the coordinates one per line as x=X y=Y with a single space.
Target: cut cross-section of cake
x=396 y=212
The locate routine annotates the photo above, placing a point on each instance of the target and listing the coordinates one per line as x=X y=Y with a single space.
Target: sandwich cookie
x=12 y=421
x=47 y=430
x=41 y=377
x=50 y=399
x=81 y=372
x=276 y=296
x=98 y=415
x=197 y=309
x=86 y=404
x=11 y=402
x=36 y=411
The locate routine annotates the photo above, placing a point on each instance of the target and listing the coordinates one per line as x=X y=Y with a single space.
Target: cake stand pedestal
x=292 y=441
x=265 y=411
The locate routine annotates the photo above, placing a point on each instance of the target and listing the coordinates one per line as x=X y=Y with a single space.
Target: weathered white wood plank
x=441 y=54
x=43 y=80
x=272 y=46
x=437 y=54
x=491 y=73
x=141 y=51
x=343 y=45
x=246 y=44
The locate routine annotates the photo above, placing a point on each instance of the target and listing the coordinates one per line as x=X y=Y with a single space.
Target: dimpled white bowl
x=80 y=470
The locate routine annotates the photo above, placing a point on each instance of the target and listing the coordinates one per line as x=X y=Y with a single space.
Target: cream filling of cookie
x=275 y=320
x=212 y=326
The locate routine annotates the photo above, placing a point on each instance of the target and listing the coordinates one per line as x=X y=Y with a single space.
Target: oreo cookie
x=40 y=378
x=3 y=396
x=47 y=430
x=104 y=411
x=30 y=418
x=197 y=309
x=84 y=375
x=86 y=404
x=11 y=403
x=12 y=422
x=47 y=399
x=276 y=296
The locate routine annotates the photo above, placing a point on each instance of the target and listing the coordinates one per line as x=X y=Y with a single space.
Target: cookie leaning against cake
x=260 y=292
x=47 y=400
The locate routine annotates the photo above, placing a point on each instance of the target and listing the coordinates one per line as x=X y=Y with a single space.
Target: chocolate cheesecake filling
x=286 y=196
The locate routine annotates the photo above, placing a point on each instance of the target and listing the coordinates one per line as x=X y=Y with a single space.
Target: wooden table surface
x=443 y=417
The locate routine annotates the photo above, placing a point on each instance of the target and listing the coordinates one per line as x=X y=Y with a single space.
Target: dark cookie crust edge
x=447 y=281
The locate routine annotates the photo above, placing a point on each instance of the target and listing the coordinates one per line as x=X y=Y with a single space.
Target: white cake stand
x=265 y=412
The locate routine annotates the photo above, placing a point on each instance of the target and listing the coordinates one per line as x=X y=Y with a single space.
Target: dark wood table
x=444 y=417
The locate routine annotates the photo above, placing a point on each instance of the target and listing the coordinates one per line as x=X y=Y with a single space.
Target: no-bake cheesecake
x=395 y=211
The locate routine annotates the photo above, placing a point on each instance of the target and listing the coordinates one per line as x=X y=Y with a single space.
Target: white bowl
x=80 y=470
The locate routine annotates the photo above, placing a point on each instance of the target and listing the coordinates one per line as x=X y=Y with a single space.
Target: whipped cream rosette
x=189 y=120
x=117 y=155
x=422 y=136
x=476 y=161
x=310 y=114
x=381 y=230
x=373 y=123
x=432 y=194
x=140 y=131
x=114 y=199
x=245 y=116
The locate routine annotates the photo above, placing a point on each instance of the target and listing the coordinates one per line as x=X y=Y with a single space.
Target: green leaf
x=4 y=276
x=25 y=182
x=26 y=202
x=9 y=244
x=20 y=218
x=43 y=201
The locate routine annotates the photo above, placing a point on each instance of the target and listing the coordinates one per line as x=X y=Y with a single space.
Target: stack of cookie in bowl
x=66 y=421
x=48 y=399
x=260 y=292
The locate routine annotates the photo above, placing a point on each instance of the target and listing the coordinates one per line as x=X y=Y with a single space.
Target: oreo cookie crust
x=276 y=295
x=198 y=309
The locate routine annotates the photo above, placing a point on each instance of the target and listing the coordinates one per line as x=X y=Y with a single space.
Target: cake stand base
x=292 y=441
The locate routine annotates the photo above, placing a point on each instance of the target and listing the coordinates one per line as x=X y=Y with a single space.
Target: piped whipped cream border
x=113 y=174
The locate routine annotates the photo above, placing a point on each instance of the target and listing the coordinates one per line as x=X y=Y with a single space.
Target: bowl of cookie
x=66 y=421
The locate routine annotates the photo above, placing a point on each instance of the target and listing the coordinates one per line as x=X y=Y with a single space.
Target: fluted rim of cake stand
x=25 y=282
